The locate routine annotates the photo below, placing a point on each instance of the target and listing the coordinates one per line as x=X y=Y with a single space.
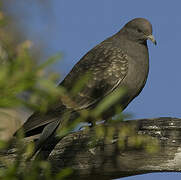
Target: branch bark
x=107 y=161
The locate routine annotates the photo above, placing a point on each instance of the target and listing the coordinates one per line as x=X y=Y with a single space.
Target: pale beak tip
x=151 y=37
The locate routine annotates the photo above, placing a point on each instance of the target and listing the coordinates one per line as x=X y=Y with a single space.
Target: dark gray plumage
x=122 y=60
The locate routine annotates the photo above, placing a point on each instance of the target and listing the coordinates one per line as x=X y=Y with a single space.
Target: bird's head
x=140 y=30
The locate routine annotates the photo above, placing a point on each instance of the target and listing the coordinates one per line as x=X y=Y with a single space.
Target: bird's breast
x=138 y=68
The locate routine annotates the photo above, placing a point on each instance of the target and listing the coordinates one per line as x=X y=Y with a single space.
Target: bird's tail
x=46 y=138
x=49 y=138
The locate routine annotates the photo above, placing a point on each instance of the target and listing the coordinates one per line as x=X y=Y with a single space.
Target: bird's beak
x=151 y=37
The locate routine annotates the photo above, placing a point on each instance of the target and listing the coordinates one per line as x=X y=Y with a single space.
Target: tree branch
x=105 y=160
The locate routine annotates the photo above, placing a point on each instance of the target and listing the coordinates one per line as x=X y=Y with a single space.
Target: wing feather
x=107 y=65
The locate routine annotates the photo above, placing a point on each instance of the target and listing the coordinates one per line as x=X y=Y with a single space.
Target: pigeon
x=120 y=61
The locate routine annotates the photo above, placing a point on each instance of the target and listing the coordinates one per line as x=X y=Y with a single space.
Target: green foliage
x=25 y=83
x=17 y=77
x=3 y=144
x=2 y=19
x=22 y=76
x=108 y=101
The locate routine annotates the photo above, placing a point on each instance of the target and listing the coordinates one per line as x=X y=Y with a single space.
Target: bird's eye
x=139 y=30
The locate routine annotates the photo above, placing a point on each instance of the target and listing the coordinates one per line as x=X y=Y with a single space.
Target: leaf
x=3 y=144
x=63 y=173
x=50 y=61
x=108 y=101
x=80 y=83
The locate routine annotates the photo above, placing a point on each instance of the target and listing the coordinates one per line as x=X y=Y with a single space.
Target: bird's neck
x=134 y=47
x=130 y=36
x=131 y=46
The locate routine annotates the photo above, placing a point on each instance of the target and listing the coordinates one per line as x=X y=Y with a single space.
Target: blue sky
x=74 y=27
